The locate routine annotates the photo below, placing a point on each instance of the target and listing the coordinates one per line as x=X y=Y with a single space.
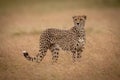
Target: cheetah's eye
x=75 y=19
x=80 y=19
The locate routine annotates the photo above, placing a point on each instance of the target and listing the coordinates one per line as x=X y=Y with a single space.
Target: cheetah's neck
x=78 y=31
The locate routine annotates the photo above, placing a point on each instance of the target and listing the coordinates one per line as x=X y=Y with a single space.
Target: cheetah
x=72 y=40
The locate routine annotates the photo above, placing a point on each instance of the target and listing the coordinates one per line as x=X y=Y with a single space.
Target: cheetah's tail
x=28 y=57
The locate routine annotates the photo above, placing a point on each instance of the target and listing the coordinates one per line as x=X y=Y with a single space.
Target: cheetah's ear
x=73 y=17
x=85 y=17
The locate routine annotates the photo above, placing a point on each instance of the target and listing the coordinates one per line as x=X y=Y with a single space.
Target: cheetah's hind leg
x=55 y=52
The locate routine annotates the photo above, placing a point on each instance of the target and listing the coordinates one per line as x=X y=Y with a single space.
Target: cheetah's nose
x=77 y=23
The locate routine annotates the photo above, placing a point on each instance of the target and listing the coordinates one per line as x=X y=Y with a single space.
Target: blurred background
x=27 y=13
x=22 y=21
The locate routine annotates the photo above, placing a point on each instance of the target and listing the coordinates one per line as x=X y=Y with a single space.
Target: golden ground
x=100 y=59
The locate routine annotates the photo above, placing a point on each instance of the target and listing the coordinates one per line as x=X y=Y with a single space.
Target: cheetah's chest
x=80 y=43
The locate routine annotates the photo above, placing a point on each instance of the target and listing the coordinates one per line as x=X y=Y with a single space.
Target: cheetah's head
x=79 y=21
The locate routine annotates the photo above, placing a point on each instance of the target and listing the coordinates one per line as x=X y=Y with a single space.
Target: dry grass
x=100 y=59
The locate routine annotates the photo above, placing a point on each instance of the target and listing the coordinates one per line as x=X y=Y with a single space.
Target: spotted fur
x=55 y=39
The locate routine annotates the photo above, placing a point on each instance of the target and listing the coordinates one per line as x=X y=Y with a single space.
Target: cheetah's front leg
x=74 y=55
x=79 y=54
